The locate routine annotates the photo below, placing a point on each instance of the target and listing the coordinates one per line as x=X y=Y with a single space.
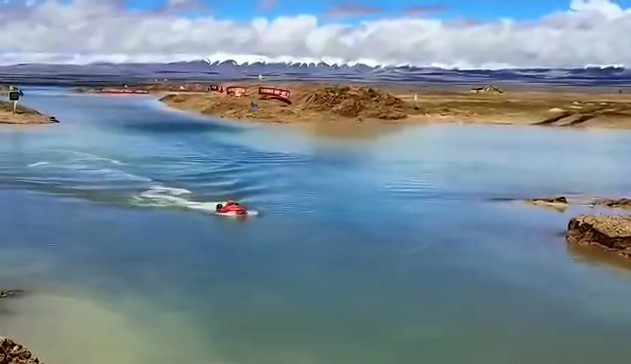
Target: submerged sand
x=314 y=103
x=73 y=329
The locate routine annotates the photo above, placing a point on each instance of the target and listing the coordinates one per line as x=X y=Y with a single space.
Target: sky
x=482 y=10
x=438 y=33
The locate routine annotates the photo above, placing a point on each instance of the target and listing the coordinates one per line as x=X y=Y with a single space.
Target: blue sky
x=467 y=9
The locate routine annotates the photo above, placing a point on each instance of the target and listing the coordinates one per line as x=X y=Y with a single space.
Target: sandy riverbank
x=327 y=103
x=23 y=116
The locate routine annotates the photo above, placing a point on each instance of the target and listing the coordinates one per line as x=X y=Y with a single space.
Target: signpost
x=236 y=91
x=275 y=93
x=14 y=95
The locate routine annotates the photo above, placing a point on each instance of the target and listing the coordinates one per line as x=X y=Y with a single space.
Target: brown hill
x=306 y=104
x=356 y=101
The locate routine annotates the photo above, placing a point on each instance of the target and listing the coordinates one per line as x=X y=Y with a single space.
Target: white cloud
x=589 y=32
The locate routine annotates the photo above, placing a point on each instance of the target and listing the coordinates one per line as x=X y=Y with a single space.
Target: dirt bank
x=611 y=233
x=353 y=103
x=23 y=116
x=306 y=104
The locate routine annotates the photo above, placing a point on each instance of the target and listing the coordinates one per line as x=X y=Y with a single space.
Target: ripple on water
x=295 y=207
x=409 y=186
x=274 y=159
x=423 y=184
x=175 y=175
x=85 y=156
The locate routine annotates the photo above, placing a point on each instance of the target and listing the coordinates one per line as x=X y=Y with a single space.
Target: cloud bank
x=589 y=32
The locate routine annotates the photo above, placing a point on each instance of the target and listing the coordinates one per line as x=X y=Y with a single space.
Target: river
x=399 y=247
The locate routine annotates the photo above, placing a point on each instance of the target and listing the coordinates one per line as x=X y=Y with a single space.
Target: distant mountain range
x=206 y=70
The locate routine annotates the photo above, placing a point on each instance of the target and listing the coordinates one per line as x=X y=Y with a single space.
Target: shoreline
x=24 y=115
x=355 y=103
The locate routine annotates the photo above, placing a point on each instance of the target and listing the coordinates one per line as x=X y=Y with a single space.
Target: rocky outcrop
x=14 y=353
x=612 y=233
x=614 y=203
x=558 y=203
x=560 y=199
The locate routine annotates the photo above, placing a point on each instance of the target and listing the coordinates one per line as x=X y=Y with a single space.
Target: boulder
x=612 y=233
x=14 y=353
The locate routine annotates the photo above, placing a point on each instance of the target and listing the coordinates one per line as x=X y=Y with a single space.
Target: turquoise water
x=397 y=248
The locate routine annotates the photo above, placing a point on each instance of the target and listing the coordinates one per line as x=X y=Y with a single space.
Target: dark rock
x=560 y=199
x=612 y=233
x=14 y=353
x=10 y=292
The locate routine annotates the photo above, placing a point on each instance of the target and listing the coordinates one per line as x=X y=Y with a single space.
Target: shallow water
x=396 y=248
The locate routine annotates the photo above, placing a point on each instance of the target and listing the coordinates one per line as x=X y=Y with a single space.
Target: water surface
x=388 y=249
